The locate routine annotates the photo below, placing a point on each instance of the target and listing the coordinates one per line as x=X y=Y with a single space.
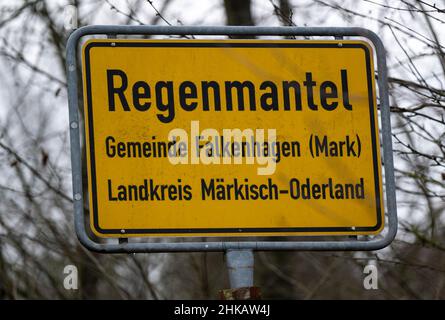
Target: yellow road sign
x=224 y=138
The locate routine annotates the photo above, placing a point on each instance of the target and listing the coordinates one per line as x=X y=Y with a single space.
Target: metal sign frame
x=132 y=247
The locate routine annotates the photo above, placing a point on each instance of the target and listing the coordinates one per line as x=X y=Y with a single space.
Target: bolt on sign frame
x=124 y=246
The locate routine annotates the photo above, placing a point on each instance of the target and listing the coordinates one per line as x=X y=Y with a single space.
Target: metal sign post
x=240 y=265
x=239 y=253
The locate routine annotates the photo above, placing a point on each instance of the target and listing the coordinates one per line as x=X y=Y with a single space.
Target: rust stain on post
x=245 y=293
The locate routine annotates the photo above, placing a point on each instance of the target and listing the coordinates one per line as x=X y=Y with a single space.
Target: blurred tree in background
x=37 y=238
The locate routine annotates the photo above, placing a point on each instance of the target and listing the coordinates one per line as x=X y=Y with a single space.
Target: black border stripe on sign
x=369 y=73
